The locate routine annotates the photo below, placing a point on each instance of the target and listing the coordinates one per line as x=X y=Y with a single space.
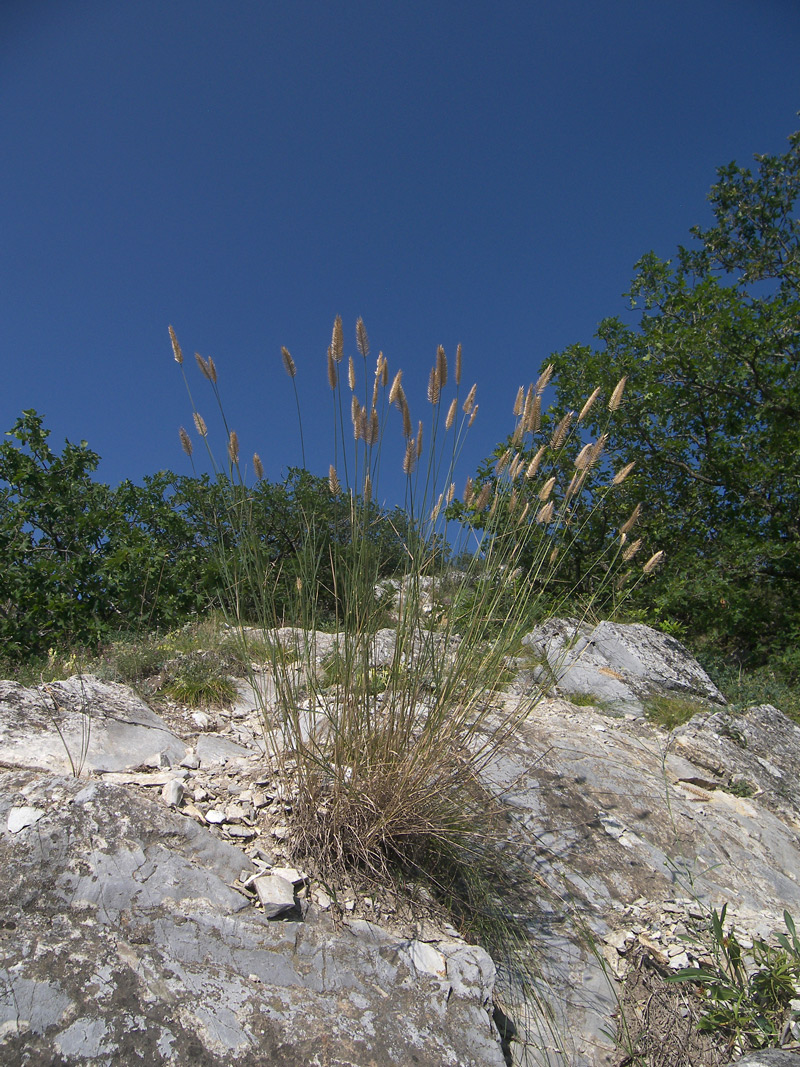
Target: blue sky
x=483 y=173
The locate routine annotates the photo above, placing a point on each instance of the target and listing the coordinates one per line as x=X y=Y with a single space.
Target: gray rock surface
x=124 y=940
x=82 y=724
x=621 y=666
x=135 y=931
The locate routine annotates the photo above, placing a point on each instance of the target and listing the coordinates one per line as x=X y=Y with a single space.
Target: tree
x=712 y=413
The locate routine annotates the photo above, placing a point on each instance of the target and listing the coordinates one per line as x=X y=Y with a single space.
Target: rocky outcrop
x=150 y=911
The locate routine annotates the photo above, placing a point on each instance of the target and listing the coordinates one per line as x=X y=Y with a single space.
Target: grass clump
x=386 y=745
x=670 y=712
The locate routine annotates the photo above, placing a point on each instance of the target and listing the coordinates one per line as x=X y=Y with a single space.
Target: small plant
x=198 y=678
x=747 y=991
x=669 y=711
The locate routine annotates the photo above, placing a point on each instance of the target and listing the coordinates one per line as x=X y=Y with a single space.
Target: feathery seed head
x=288 y=362
x=384 y=370
x=374 y=427
x=544 y=379
x=469 y=403
x=258 y=466
x=577 y=480
x=533 y=417
x=535 y=463
x=472 y=416
x=333 y=377
x=351 y=374
x=200 y=424
x=545 y=513
x=212 y=370
x=186 y=442
x=451 y=492
x=419 y=439
x=616 y=396
x=483 y=497
x=519 y=401
x=451 y=414
x=588 y=405
x=203 y=365
x=363 y=425
x=468 y=492
x=621 y=475
x=337 y=339
x=598 y=449
x=410 y=457
x=458 y=363
x=434 y=386
x=437 y=508
x=362 y=341
x=653 y=562
x=355 y=414
x=441 y=366
x=396 y=387
x=176 y=348
x=333 y=481
x=584 y=456
x=515 y=466
x=367 y=488
x=561 y=431
x=632 y=549
x=629 y=524
x=233 y=447
x=502 y=462
x=375 y=386
x=547 y=489
x=406 y=413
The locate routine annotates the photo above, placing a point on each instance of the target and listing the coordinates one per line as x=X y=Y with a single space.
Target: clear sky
x=483 y=173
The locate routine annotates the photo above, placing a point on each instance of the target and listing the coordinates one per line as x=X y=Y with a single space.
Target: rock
x=21 y=818
x=621 y=666
x=122 y=942
x=81 y=725
x=770 y=1057
x=214 y=749
x=276 y=895
x=173 y=792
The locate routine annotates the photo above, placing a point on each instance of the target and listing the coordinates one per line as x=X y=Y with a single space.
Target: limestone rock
x=620 y=665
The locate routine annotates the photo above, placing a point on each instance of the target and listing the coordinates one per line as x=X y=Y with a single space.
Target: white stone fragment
x=276 y=894
x=172 y=792
x=20 y=818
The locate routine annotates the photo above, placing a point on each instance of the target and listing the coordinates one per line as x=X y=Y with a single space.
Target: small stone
x=235 y=812
x=281 y=833
x=201 y=719
x=243 y=832
x=321 y=899
x=191 y=761
x=20 y=818
x=213 y=815
x=173 y=792
x=291 y=874
x=677 y=963
x=276 y=895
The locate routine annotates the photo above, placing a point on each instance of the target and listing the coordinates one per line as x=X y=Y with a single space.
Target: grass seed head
x=532 y=420
x=543 y=379
x=441 y=366
x=469 y=403
x=351 y=374
x=176 y=348
x=520 y=400
x=535 y=463
x=561 y=431
x=362 y=341
x=200 y=424
x=621 y=475
x=410 y=458
x=288 y=362
x=258 y=466
x=233 y=447
x=337 y=339
x=451 y=413
x=333 y=481
x=472 y=416
x=419 y=439
x=616 y=396
x=333 y=377
x=458 y=364
x=653 y=562
x=434 y=386
x=186 y=441
x=545 y=513
x=629 y=524
x=632 y=549
x=547 y=489
x=397 y=385
x=588 y=405
x=204 y=367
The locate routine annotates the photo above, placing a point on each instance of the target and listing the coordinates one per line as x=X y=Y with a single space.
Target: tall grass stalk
x=386 y=748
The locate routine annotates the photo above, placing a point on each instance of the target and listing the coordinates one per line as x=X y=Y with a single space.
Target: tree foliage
x=82 y=560
x=712 y=414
